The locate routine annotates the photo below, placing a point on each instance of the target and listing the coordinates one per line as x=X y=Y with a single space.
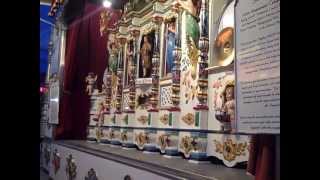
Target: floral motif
x=164 y=141
x=124 y=136
x=143 y=119
x=111 y=134
x=230 y=150
x=91 y=175
x=141 y=139
x=188 y=118
x=71 y=168
x=56 y=161
x=164 y=119
x=188 y=144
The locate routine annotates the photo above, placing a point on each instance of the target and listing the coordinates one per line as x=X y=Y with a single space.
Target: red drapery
x=86 y=52
x=262 y=158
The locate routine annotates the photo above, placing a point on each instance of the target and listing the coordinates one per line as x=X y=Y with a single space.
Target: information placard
x=257 y=25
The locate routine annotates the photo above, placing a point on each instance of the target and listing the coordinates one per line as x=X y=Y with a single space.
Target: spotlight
x=106 y=3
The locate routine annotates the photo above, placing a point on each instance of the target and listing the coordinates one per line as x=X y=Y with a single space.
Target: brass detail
x=224 y=47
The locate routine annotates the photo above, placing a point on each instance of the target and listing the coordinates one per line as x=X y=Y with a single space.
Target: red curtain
x=86 y=52
x=262 y=158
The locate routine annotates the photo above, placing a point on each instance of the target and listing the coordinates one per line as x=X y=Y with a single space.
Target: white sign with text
x=258 y=66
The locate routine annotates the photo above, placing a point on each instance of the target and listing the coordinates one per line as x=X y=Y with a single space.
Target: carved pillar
x=177 y=58
x=120 y=74
x=155 y=64
x=132 y=94
x=108 y=93
x=203 y=61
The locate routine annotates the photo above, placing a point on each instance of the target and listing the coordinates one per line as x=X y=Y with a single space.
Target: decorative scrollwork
x=124 y=136
x=141 y=139
x=164 y=119
x=188 y=119
x=163 y=141
x=230 y=150
x=188 y=144
x=143 y=119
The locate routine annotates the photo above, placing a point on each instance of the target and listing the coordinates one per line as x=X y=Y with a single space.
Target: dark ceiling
x=74 y=8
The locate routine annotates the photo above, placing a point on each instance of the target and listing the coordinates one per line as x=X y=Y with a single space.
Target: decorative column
x=157 y=20
x=120 y=74
x=108 y=93
x=175 y=96
x=132 y=94
x=203 y=61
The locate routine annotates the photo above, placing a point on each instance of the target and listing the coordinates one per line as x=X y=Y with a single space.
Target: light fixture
x=106 y=3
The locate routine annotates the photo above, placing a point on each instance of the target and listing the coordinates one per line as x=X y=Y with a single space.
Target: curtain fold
x=261 y=163
x=86 y=51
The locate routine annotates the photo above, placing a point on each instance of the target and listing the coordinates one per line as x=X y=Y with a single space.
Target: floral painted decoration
x=188 y=119
x=163 y=141
x=187 y=144
x=230 y=150
x=164 y=119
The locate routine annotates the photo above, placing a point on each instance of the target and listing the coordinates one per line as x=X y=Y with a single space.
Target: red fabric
x=85 y=52
x=261 y=163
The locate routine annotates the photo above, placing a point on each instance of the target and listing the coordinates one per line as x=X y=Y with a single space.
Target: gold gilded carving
x=230 y=150
x=141 y=139
x=124 y=136
x=193 y=54
x=143 y=119
x=187 y=144
x=164 y=119
x=163 y=141
x=188 y=119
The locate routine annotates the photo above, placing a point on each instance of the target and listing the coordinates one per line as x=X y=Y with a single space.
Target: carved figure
x=90 y=80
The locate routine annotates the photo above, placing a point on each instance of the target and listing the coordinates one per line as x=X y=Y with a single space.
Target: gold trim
x=230 y=150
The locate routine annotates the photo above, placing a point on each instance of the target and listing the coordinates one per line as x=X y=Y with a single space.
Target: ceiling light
x=106 y=3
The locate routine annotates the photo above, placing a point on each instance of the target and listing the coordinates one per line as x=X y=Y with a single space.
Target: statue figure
x=104 y=20
x=90 y=80
x=229 y=105
x=113 y=54
x=113 y=57
x=130 y=71
x=100 y=113
x=192 y=8
x=146 y=52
